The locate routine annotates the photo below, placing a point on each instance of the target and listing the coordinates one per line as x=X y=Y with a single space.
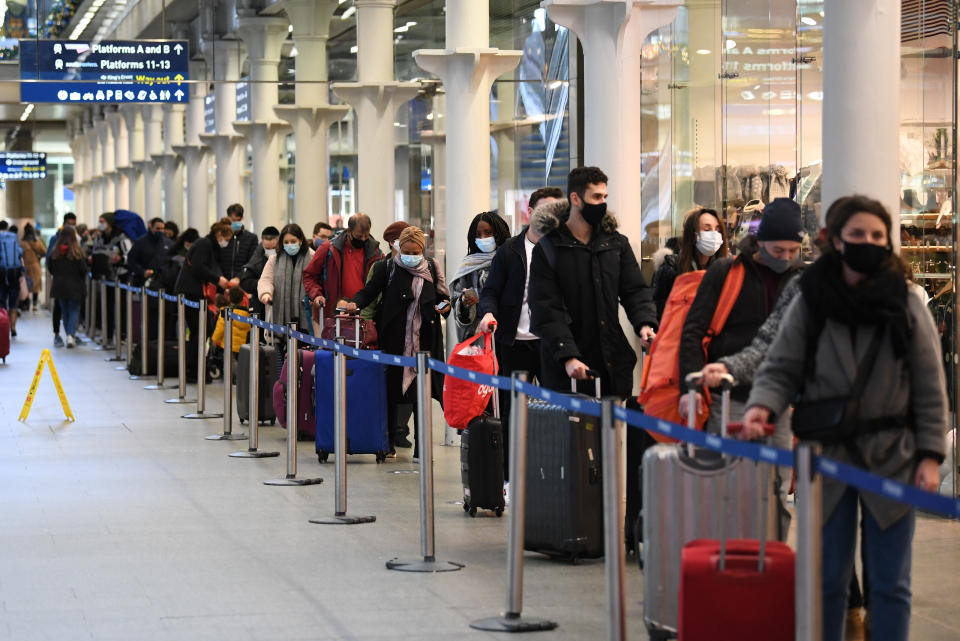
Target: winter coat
x=147 y=253
x=114 y=243
x=322 y=275
x=239 y=333
x=667 y=266
x=913 y=387
x=201 y=266
x=502 y=294
x=746 y=317
x=466 y=317
x=237 y=253
x=69 y=277
x=574 y=295
x=33 y=251
x=250 y=273
x=282 y=307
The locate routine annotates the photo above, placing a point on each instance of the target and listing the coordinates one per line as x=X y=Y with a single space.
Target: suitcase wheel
x=499 y=511
x=322 y=456
x=381 y=457
x=466 y=504
x=273 y=422
x=243 y=421
x=656 y=634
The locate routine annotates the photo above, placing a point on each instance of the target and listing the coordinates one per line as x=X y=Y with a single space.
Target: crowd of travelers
x=800 y=339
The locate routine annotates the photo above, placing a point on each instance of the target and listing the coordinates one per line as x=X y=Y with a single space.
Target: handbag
x=349 y=325
x=834 y=419
x=463 y=400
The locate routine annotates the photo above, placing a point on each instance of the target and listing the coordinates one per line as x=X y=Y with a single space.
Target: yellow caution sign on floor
x=46 y=359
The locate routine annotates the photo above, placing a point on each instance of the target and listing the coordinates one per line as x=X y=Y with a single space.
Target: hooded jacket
x=200 y=267
x=235 y=255
x=574 y=295
x=147 y=253
x=322 y=275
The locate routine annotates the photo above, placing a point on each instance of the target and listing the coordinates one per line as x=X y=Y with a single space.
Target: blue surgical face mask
x=291 y=248
x=486 y=245
x=317 y=242
x=411 y=260
x=236 y=226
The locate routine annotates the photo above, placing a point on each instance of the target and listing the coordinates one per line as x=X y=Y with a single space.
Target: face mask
x=486 y=245
x=223 y=243
x=270 y=252
x=593 y=213
x=357 y=243
x=236 y=226
x=709 y=242
x=291 y=248
x=159 y=235
x=864 y=258
x=319 y=241
x=777 y=265
x=411 y=260
x=102 y=226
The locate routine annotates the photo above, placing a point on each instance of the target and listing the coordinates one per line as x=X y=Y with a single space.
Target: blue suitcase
x=366 y=407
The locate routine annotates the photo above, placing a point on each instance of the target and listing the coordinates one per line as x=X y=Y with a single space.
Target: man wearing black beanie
x=768 y=262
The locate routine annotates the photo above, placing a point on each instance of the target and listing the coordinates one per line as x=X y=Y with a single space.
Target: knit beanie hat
x=392 y=232
x=781 y=221
x=413 y=235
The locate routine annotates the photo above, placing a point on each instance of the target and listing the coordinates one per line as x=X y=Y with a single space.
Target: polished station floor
x=128 y=524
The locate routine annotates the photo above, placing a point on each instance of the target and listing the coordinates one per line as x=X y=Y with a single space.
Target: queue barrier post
x=512 y=620
x=252 y=450
x=117 y=324
x=809 y=584
x=181 y=355
x=340 y=516
x=428 y=561
x=161 y=344
x=144 y=331
x=100 y=313
x=293 y=373
x=612 y=440
x=129 y=324
x=201 y=340
x=227 y=434
x=89 y=325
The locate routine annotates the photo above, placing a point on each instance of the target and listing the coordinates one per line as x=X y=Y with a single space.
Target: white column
x=312 y=115
x=861 y=103
x=227 y=145
x=132 y=116
x=121 y=160
x=195 y=155
x=468 y=67
x=80 y=186
x=108 y=169
x=263 y=38
x=375 y=96
x=152 y=146
x=171 y=165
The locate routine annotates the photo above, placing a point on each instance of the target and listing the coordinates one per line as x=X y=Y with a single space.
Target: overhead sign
x=70 y=71
x=23 y=165
x=243 y=101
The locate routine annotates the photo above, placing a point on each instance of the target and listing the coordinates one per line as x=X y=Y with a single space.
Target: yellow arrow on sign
x=46 y=359
x=178 y=78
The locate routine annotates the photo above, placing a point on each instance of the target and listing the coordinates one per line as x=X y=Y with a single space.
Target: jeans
x=888 y=555
x=70 y=312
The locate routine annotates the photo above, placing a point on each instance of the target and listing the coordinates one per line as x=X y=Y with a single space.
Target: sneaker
x=416 y=459
x=392 y=453
x=57 y=340
x=70 y=342
x=506 y=493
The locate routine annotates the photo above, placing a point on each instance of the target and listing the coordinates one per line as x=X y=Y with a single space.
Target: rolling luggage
x=481 y=462
x=170 y=358
x=564 y=502
x=4 y=334
x=366 y=403
x=683 y=502
x=268 y=374
x=306 y=420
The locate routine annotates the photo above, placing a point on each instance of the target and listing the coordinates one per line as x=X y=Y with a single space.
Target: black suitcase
x=481 y=464
x=564 y=493
x=269 y=372
x=170 y=358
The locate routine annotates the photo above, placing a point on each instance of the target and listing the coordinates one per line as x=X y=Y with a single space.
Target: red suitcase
x=737 y=589
x=4 y=334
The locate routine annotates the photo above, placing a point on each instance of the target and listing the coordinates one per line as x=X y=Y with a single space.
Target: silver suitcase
x=683 y=494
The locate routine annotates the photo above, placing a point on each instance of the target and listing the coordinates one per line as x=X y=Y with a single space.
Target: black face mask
x=593 y=213
x=159 y=235
x=357 y=243
x=864 y=258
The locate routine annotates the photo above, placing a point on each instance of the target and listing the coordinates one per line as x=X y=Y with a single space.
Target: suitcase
x=268 y=374
x=306 y=419
x=366 y=406
x=4 y=334
x=683 y=501
x=170 y=364
x=481 y=462
x=564 y=493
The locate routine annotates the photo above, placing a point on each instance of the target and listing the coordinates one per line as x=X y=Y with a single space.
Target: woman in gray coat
x=854 y=302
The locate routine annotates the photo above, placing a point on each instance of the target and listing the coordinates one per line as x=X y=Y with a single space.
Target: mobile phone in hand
x=442 y=307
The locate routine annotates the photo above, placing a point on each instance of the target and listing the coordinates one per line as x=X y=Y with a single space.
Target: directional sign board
x=23 y=165
x=117 y=71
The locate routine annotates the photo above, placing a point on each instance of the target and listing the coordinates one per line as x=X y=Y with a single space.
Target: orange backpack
x=660 y=385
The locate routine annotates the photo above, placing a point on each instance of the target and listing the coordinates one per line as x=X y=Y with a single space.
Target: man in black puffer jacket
x=238 y=253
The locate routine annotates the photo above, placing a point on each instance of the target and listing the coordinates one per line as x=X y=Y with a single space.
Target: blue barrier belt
x=192 y=304
x=152 y=293
x=167 y=297
x=109 y=283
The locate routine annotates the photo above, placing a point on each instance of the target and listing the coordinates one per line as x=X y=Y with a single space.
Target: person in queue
x=69 y=220
x=281 y=283
x=171 y=230
x=487 y=232
x=251 y=272
x=177 y=254
x=703 y=241
x=414 y=297
x=322 y=233
x=33 y=253
x=240 y=248
x=857 y=313
x=68 y=265
x=108 y=259
x=149 y=253
x=339 y=268
x=11 y=268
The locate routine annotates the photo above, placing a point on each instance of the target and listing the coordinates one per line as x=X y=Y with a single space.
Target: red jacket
x=322 y=275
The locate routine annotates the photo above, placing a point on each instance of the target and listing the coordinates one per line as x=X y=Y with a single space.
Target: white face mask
x=223 y=243
x=270 y=252
x=709 y=242
x=486 y=245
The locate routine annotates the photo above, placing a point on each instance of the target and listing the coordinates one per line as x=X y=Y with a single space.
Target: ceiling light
x=26 y=112
x=353 y=49
x=294 y=52
x=290 y=29
x=730 y=44
x=430 y=116
x=556 y=84
x=703 y=52
x=807 y=20
x=349 y=12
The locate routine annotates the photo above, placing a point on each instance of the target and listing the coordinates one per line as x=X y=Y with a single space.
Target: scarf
x=411 y=338
x=879 y=300
x=472 y=263
x=288 y=290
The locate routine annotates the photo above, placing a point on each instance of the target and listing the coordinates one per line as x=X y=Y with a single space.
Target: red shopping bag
x=463 y=400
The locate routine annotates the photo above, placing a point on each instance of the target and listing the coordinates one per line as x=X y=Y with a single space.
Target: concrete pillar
x=375 y=97
x=227 y=145
x=195 y=155
x=468 y=67
x=861 y=103
x=121 y=159
x=263 y=38
x=171 y=164
x=312 y=115
x=152 y=146
x=107 y=168
x=133 y=119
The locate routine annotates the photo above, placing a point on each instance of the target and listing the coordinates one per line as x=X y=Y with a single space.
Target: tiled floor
x=127 y=524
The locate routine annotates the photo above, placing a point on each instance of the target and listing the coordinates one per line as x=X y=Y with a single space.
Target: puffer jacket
x=237 y=253
x=238 y=335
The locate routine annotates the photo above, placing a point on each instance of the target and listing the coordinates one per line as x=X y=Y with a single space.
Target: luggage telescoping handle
x=342 y=312
x=591 y=373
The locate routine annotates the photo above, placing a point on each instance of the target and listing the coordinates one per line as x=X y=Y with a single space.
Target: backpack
x=10 y=258
x=130 y=224
x=660 y=385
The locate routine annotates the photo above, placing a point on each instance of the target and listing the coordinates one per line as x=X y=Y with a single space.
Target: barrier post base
x=423 y=564
x=180 y=401
x=510 y=622
x=202 y=415
x=120 y=368
x=343 y=519
x=164 y=386
x=253 y=454
x=116 y=359
x=226 y=437
x=291 y=481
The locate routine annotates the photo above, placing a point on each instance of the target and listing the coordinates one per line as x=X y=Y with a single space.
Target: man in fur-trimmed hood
x=582 y=270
